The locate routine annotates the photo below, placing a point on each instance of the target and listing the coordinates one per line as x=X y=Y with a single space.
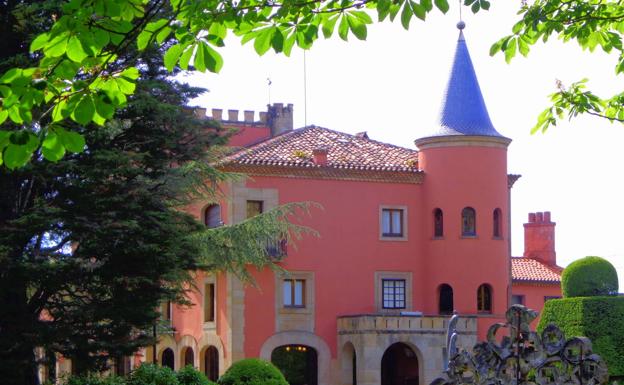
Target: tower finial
x=460 y=24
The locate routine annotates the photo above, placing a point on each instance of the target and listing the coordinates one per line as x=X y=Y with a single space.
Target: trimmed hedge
x=252 y=371
x=601 y=319
x=589 y=277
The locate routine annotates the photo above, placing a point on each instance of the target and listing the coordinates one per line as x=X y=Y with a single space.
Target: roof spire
x=463 y=109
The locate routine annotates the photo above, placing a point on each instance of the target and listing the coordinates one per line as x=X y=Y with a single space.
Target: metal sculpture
x=523 y=357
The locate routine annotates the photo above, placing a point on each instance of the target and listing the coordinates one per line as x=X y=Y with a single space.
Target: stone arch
x=413 y=346
x=418 y=345
x=204 y=343
x=396 y=361
x=165 y=342
x=348 y=364
x=301 y=338
x=185 y=342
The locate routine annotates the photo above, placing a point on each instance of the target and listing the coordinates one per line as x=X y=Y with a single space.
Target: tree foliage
x=91 y=244
x=589 y=277
x=74 y=82
x=592 y=24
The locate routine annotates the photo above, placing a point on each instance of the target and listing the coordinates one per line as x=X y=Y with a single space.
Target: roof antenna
x=305 y=91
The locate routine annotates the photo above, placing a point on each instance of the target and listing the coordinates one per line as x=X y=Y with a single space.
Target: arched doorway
x=399 y=365
x=211 y=363
x=298 y=363
x=167 y=358
x=189 y=356
x=349 y=364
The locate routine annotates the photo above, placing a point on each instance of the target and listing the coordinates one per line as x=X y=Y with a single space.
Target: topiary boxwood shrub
x=191 y=376
x=601 y=319
x=150 y=374
x=252 y=371
x=588 y=277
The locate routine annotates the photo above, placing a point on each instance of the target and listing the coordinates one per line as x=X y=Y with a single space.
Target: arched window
x=211 y=363
x=469 y=222
x=497 y=222
x=438 y=223
x=445 y=300
x=484 y=298
x=189 y=357
x=212 y=216
x=167 y=358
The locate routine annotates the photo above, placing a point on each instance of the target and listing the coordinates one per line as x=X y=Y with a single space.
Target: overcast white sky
x=391 y=86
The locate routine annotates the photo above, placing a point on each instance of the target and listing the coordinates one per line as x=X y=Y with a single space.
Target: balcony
x=410 y=324
x=376 y=337
x=276 y=249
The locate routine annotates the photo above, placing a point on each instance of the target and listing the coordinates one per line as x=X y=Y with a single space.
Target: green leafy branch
x=576 y=100
x=234 y=248
x=75 y=82
x=592 y=24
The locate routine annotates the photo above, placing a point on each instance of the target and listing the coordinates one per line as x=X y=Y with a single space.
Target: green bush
x=94 y=379
x=589 y=277
x=252 y=371
x=601 y=319
x=191 y=376
x=150 y=374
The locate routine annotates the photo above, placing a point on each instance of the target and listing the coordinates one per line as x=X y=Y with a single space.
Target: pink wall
x=534 y=294
x=458 y=177
x=349 y=226
x=246 y=135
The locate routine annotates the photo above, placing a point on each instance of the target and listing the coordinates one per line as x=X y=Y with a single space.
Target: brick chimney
x=539 y=238
x=280 y=118
x=320 y=156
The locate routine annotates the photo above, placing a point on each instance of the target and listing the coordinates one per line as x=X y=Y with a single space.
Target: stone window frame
x=404 y=222
x=379 y=277
x=209 y=325
x=308 y=300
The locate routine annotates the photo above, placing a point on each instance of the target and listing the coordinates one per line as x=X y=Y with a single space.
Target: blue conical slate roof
x=463 y=109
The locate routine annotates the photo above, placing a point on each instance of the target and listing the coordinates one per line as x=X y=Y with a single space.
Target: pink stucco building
x=406 y=237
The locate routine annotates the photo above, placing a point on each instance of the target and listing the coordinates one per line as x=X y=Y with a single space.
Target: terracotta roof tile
x=344 y=151
x=531 y=270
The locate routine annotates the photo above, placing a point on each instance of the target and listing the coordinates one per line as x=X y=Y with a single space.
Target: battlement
x=278 y=117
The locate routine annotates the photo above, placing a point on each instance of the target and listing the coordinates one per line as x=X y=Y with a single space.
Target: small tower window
x=212 y=216
x=497 y=223
x=469 y=222
x=445 y=300
x=438 y=223
x=484 y=298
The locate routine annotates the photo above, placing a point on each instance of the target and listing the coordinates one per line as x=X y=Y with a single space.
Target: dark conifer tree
x=90 y=245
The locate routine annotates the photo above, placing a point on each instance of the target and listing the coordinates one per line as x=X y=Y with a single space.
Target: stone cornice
x=415 y=177
x=462 y=140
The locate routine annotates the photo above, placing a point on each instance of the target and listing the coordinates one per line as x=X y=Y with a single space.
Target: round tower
x=466 y=197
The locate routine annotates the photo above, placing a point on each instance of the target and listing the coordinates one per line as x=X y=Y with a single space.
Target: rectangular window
x=392 y=222
x=165 y=310
x=393 y=293
x=209 y=302
x=517 y=299
x=254 y=208
x=294 y=292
